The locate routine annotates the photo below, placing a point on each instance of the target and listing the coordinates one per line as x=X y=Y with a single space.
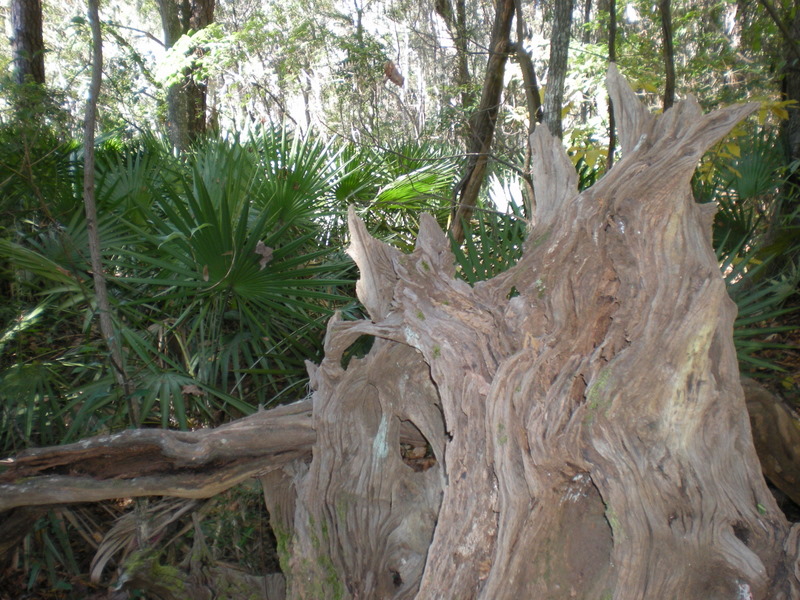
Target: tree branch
x=156 y=462
x=483 y=121
x=101 y=292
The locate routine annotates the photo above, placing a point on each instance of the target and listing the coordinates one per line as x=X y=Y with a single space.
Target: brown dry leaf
x=484 y=568
x=393 y=73
x=192 y=390
x=265 y=252
x=419 y=452
x=205 y=272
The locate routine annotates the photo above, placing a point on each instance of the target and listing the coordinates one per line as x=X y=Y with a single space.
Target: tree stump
x=586 y=429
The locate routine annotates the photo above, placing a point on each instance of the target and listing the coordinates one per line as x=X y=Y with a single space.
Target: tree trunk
x=588 y=436
x=533 y=102
x=669 y=53
x=186 y=100
x=790 y=83
x=557 y=69
x=110 y=336
x=612 y=59
x=572 y=428
x=27 y=44
x=483 y=120
x=456 y=23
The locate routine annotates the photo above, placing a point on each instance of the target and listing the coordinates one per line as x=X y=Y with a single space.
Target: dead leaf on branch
x=192 y=390
x=265 y=252
x=393 y=73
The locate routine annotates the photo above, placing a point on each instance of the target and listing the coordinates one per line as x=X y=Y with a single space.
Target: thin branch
x=144 y=33
x=90 y=205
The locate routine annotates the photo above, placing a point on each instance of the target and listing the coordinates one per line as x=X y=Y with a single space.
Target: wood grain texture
x=583 y=437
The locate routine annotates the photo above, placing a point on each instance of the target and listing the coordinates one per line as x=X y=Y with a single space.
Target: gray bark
x=107 y=330
x=557 y=68
x=586 y=433
x=27 y=43
x=665 y=11
x=186 y=100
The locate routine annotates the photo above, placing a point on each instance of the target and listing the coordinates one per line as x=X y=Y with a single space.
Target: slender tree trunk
x=186 y=99
x=533 y=102
x=791 y=86
x=483 y=120
x=669 y=53
x=790 y=90
x=557 y=69
x=612 y=60
x=586 y=104
x=455 y=19
x=107 y=330
x=27 y=43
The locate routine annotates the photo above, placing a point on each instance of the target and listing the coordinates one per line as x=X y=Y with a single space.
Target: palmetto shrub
x=219 y=279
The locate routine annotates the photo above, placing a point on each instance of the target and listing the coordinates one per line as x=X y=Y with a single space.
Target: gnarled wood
x=597 y=440
x=586 y=429
x=147 y=462
x=776 y=433
x=155 y=462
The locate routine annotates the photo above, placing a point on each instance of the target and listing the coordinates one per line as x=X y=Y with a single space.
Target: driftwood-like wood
x=155 y=462
x=584 y=408
x=584 y=429
x=776 y=433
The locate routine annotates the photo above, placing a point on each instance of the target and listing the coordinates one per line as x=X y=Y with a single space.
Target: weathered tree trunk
x=186 y=100
x=572 y=428
x=589 y=434
x=27 y=42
